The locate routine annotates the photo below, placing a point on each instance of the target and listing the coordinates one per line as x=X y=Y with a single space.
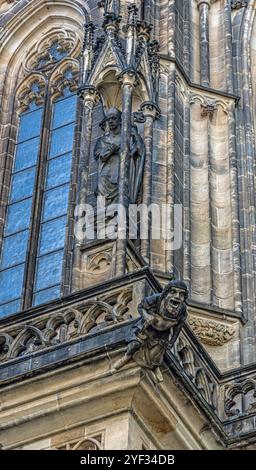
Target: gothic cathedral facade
x=115 y=333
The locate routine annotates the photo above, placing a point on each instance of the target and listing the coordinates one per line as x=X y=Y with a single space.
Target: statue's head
x=113 y=118
x=173 y=298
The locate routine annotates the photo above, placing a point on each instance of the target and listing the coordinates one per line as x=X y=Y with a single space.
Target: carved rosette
x=210 y=332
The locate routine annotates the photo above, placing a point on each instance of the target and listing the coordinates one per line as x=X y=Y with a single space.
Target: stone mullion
x=200 y=207
x=30 y=265
x=204 y=9
x=170 y=161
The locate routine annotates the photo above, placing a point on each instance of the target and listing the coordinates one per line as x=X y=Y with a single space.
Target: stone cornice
x=196 y=86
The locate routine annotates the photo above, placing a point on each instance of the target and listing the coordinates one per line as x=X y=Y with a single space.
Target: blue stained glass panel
x=59 y=171
x=22 y=185
x=62 y=140
x=26 y=154
x=64 y=112
x=49 y=270
x=18 y=216
x=30 y=125
x=14 y=249
x=46 y=295
x=55 y=202
x=52 y=236
x=11 y=281
x=8 y=309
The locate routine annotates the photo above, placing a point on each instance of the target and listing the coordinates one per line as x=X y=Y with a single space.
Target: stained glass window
x=55 y=202
x=19 y=212
x=26 y=182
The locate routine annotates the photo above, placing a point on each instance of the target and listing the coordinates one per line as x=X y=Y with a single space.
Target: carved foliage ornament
x=211 y=332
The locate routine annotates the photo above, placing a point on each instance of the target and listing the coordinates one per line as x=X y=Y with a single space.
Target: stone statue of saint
x=162 y=317
x=107 y=154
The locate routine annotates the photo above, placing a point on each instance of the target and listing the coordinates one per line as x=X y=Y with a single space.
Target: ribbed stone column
x=150 y=111
x=171 y=28
x=235 y=211
x=228 y=47
x=200 y=206
x=221 y=209
x=204 y=9
x=89 y=96
x=170 y=162
x=128 y=81
x=186 y=196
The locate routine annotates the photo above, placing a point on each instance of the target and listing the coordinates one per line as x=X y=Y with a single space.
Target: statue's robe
x=137 y=162
x=109 y=163
x=108 y=169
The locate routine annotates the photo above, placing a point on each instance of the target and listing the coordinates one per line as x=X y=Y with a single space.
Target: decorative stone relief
x=239 y=396
x=89 y=316
x=211 y=332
